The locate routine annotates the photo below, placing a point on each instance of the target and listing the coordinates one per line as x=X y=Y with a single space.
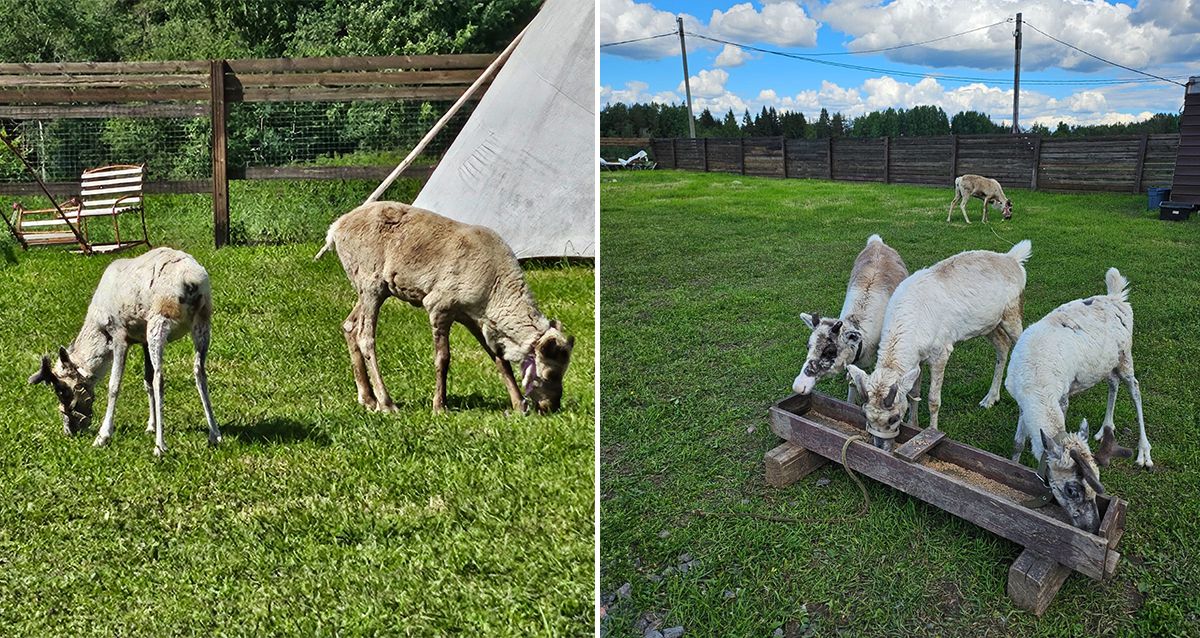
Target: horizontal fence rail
x=1129 y=163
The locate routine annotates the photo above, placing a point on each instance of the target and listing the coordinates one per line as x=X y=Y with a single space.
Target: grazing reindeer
x=989 y=190
x=1068 y=351
x=150 y=300
x=973 y=293
x=854 y=336
x=457 y=273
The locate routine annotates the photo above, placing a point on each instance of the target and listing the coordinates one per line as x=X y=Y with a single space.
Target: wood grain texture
x=1034 y=580
x=788 y=463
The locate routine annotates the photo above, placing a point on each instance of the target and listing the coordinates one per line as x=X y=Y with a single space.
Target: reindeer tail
x=1021 y=251
x=329 y=238
x=1118 y=285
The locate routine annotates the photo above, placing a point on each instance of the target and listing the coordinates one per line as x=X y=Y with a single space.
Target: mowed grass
x=703 y=279
x=313 y=517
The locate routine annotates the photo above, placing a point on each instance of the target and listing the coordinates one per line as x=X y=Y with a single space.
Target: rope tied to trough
x=854 y=477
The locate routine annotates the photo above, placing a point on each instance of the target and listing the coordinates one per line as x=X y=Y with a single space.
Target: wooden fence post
x=742 y=155
x=704 y=142
x=783 y=153
x=1141 y=163
x=953 y=158
x=1037 y=162
x=829 y=157
x=220 y=175
x=887 y=170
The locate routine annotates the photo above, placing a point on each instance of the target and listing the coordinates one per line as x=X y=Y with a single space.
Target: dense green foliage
x=313 y=517
x=703 y=280
x=669 y=120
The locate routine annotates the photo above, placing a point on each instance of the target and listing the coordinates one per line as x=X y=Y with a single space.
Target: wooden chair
x=109 y=191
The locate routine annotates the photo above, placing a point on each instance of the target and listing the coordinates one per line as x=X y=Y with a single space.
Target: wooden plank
x=916 y=447
x=106 y=81
x=788 y=463
x=1034 y=580
x=220 y=178
x=829 y=157
x=330 y=172
x=887 y=162
x=1037 y=160
x=705 y=151
x=1086 y=553
x=64 y=111
x=66 y=189
x=135 y=94
x=174 y=66
x=624 y=141
x=1141 y=163
x=953 y=158
x=345 y=94
x=362 y=63
x=353 y=78
x=742 y=155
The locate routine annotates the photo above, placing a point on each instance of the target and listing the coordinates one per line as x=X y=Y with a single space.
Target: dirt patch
x=1131 y=599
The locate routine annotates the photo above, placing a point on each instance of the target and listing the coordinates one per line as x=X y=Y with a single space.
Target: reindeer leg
x=950 y=212
x=962 y=205
x=1143 y=455
x=506 y=373
x=148 y=381
x=985 y=208
x=1000 y=342
x=937 y=370
x=1114 y=384
x=201 y=331
x=1019 y=440
x=441 y=358
x=114 y=388
x=368 y=317
x=156 y=339
x=350 y=330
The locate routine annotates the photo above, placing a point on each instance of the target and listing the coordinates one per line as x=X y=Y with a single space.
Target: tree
x=974 y=123
x=793 y=124
x=822 y=128
x=837 y=125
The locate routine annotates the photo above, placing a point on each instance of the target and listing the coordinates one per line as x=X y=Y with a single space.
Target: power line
x=916 y=74
x=913 y=44
x=649 y=37
x=1072 y=46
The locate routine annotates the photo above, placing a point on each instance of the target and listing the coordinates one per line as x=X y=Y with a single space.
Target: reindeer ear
x=858 y=378
x=1084 y=470
x=909 y=378
x=65 y=359
x=571 y=342
x=556 y=324
x=810 y=320
x=1049 y=446
x=1083 y=429
x=44 y=373
x=1109 y=448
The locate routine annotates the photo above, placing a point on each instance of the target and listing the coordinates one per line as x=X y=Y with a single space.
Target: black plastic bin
x=1175 y=211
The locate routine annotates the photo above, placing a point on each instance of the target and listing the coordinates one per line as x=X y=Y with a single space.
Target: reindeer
x=1069 y=350
x=149 y=300
x=973 y=293
x=989 y=190
x=853 y=337
x=458 y=273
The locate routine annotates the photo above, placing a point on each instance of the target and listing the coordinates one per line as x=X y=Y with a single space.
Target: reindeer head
x=832 y=346
x=886 y=402
x=1073 y=475
x=542 y=373
x=73 y=390
x=1006 y=209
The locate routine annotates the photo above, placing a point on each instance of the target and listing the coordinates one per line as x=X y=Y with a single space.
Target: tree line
x=670 y=120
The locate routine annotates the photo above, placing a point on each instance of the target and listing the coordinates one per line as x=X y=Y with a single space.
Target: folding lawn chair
x=109 y=191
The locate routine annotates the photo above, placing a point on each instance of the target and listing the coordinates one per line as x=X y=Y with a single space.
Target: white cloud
x=732 y=56
x=1147 y=36
x=780 y=22
x=707 y=83
x=635 y=92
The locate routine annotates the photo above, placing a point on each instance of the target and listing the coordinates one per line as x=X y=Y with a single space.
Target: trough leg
x=788 y=463
x=1034 y=580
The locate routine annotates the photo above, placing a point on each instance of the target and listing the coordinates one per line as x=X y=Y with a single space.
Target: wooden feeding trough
x=987 y=490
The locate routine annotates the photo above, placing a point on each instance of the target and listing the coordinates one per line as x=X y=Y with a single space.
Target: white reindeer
x=1073 y=348
x=149 y=300
x=854 y=336
x=973 y=293
x=989 y=190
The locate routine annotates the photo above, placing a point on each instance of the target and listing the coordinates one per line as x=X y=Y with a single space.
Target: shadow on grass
x=497 y=403
x=275 y=431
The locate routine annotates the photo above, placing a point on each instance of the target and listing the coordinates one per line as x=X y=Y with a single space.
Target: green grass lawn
x=703 y=280
x=313 y=517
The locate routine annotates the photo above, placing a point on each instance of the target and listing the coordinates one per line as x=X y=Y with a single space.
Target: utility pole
x=1016 y=128
x=687 y=83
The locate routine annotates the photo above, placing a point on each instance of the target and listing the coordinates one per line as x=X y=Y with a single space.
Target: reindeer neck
x=897 y=353
x=515 y=321
x=91 y=352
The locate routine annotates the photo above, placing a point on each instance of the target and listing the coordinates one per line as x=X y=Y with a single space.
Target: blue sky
x=1159 y=36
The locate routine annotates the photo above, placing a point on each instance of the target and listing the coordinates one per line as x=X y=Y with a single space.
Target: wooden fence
x=206 y=88
x=1090 y=164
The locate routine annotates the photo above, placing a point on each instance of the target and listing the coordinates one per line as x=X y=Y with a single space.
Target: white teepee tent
x=523 y=164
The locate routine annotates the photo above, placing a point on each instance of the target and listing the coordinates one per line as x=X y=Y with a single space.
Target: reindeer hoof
x=387 y=407
x=988 y=401
x=100 y=441
x=159 y=451
x=150 y=428
x=1143 y=459
x=214 y=441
